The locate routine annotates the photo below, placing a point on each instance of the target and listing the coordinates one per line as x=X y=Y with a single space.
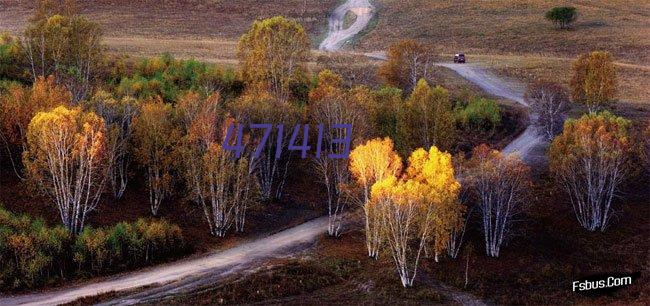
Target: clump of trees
x=500 y=183
x=17 y=108
x=427 y=118
x=408 y=61
x=156 y=135
x=34 y=254
x=549 y=102
x=589 y=159
x=273 y=56
x=562 y=16
x=168 y=78
x=220 y=183
x=478 y=117
x=416 y=209
x=371 y=162
x=65 y=156
x=60 y=43
x=594 y=80
x=118 y=116
x=331 y=105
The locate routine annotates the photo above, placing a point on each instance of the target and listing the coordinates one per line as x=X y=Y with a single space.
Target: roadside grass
x=518 y=27
x=336 y=271
x=180 y=19
x=632 y=79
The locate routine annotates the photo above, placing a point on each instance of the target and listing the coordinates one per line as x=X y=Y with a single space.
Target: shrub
x=479 y=115
x=562 y=16
x=167 y=77
x=34 y=254
x=31 y=252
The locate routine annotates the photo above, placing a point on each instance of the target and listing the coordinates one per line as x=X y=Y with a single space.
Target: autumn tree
x=118 y=115
x=589 y=160
x=389 y=106
x=330 y=106
x=58 y=42
x=419 y=207
x=457 y=233
x=408 y=61
x=435 y=169
x=220 y=183
x=155 y=136
x=371 y=162
x=427 y=118
x=65 y=157
x=273 y=55
x=549 y=101
x=19 y=105
x=256 y=107
x=594 y=80
x=501 y=183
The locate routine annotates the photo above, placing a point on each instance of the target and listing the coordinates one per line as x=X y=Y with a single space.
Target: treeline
x=33 y=254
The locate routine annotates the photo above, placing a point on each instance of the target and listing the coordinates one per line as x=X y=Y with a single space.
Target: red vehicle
x=459 y=58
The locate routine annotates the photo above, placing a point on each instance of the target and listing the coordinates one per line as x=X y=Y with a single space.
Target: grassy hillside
x=505 y=26
x=203 y=29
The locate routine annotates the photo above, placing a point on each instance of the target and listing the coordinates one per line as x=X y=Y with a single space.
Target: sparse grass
x=632 y=85
x=504 y=26
x=203 y=29
x=349 y=19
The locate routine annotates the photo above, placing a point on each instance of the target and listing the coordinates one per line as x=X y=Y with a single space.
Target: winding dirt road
x=337 y=35
x=529 y=144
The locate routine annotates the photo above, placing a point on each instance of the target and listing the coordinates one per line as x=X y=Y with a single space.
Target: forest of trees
x=79 y=125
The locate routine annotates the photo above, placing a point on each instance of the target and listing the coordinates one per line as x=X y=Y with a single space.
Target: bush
x=479 y=115
x=34 y=254
x=127 y=245
x=562 y=16
x=31 y=252
x=168 y=77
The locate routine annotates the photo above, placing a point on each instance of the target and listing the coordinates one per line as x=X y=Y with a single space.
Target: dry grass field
x=633 y=79
x=202 y=29
x=516 y=27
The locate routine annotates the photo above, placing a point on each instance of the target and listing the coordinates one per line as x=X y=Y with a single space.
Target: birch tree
x=427 y=118
x=457 y=233
x=65 y=45
x=118 y=116
x=371 y=162
x=329 y=106
x=435 y=169
x=590 y=160
x=17 y=108
x=271 y=168
x=594 y=82
x=273 y=54
x=408 y=61
x=221 y=184
x=414 y=209
x=500 y=183
x=549 y=102
x=65 y=157
x=155 y=136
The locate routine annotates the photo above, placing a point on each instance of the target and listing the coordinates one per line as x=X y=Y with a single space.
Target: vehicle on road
x=459 y=58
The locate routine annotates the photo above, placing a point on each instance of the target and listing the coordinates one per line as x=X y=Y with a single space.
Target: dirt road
x=529 y=144
x=337 y=35
x=186 y=273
